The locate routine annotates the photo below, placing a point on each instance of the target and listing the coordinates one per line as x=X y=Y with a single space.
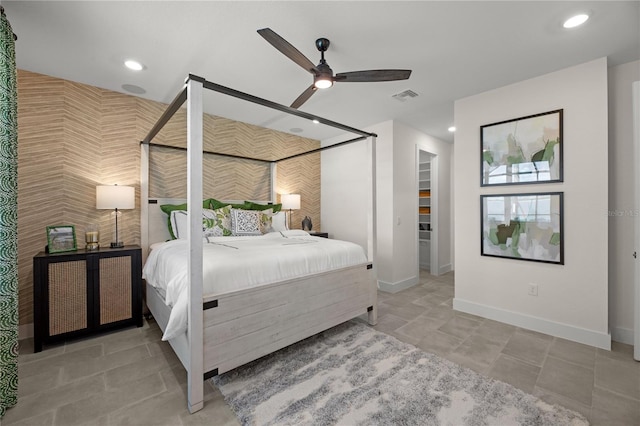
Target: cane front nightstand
x=85 y=292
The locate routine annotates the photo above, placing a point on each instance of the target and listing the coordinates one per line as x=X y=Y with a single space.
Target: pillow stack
x=221 y=219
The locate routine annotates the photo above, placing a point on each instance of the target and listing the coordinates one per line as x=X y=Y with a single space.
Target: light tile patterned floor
x=130 y=377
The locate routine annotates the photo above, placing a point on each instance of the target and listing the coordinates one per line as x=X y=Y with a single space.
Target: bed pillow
x=215 y=223
x=250 y=205
x=272 y=222
x=217 y=204
x=245 y=222
x=279 y=222
x=168 y=208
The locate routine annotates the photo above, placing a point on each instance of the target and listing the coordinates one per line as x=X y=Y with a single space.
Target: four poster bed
x=230 y=321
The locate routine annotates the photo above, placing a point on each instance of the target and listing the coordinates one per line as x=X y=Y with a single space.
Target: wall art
x=61 y=238
x=523 y=226
x=523 y=150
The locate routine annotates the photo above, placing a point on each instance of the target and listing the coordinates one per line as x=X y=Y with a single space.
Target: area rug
x=355 y=375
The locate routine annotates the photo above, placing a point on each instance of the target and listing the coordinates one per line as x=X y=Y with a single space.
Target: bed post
x=274 y=177
x=195 y=373
x=372 y=232
x=144 y=200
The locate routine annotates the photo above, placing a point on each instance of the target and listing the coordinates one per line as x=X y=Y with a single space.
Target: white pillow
x=245 y=222
x=279 y=222
x=179 y=223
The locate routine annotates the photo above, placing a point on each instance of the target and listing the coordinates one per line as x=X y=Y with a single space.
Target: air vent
x=403 y=96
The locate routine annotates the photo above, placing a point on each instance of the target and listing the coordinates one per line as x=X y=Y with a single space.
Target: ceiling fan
x=323 y=76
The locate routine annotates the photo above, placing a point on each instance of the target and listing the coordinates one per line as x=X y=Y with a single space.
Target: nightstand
x=319 y=234
x=85 y=292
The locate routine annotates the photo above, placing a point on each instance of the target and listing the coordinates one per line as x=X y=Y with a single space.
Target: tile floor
x=130 y=377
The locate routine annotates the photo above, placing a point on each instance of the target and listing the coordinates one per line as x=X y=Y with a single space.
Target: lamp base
x=119 y=244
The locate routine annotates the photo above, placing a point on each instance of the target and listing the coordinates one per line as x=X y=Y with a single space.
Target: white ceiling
x=455 y=49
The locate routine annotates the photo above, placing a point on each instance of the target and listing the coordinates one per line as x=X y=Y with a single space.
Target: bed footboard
x=243 y=326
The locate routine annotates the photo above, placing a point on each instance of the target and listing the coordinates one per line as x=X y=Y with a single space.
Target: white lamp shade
x=111 y=197
x=290 y=201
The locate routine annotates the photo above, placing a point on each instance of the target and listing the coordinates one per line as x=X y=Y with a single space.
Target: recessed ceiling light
x=452 y=129
x=576 y=20
x=133 y=65
x=316 y=121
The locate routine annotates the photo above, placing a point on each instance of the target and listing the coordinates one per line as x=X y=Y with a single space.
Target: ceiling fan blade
x=304 y=97
x=287 y=49
x=372 y=75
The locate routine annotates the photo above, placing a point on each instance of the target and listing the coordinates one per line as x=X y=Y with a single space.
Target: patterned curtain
x=8 y=218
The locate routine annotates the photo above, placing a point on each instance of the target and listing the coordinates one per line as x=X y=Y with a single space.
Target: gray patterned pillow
x=245 y=222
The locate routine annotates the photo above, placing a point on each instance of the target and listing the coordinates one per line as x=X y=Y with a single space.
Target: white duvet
x=234 y=263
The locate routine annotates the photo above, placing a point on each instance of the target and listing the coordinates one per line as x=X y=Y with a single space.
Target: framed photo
x=522 y=151
x=523 y=226
x=61 y=238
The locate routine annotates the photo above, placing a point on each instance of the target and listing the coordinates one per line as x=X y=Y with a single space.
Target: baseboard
x=399 y=286
x=541 y=325
x=25 y=331
x=445 y=268
x=622 y=335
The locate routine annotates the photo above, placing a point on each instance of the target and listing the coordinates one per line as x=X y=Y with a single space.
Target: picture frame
x=520 y=151
x=526 y=226
x=61 y=238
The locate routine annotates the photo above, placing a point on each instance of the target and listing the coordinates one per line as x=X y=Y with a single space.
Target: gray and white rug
x=355 y=375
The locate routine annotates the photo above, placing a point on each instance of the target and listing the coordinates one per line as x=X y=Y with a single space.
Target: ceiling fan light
x=323 y=83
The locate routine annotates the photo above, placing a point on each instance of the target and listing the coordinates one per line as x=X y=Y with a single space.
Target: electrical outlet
x=533 y=289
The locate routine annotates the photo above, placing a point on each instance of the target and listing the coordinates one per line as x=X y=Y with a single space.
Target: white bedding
x=234 y=263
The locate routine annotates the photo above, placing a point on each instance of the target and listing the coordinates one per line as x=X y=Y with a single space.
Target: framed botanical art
x=522 y=151
x=61 y=238
x=523 y=226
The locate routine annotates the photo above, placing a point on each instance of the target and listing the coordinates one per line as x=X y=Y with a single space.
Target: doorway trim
x=636 y=149
x=434 y=267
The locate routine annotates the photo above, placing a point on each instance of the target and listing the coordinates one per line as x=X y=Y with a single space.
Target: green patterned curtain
x=8 y=218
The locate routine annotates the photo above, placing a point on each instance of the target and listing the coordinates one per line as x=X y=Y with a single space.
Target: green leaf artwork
x=522 y=150
x=524 y=226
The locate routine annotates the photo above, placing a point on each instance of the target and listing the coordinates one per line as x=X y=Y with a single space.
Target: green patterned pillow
x=215 y=223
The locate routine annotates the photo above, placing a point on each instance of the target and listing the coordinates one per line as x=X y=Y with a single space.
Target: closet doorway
x=427 y=213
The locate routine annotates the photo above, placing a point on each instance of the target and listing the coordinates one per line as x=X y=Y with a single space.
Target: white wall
x=344 y=189
x=621 y=201
x=344 y=186
x=573 y=298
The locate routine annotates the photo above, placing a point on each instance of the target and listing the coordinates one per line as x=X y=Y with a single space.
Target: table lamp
x=115 y=197
x=290 y=202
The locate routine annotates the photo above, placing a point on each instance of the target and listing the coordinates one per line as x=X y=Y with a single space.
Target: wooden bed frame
x=228 y=330
x=244 y=325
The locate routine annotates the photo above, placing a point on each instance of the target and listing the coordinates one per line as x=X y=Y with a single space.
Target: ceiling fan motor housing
x=322 y=44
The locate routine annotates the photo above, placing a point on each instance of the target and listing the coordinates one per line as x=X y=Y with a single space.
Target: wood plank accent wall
x=72 y=137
